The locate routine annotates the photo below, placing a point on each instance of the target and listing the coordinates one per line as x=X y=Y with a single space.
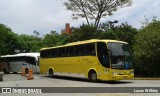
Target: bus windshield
x=121 y=57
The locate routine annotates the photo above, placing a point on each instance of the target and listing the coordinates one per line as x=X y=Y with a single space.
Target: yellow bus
x=93 y=59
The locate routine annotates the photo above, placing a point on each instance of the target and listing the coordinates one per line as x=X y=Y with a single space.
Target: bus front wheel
x=92 y=76
x=51 y=73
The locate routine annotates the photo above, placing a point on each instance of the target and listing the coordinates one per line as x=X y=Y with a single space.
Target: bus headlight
x=114 y=73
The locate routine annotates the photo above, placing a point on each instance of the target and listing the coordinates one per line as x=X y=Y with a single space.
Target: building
x=67 y=30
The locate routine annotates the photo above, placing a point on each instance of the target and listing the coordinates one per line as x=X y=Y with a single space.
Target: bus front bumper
x=121 y=77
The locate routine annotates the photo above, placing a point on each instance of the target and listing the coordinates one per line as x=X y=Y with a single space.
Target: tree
x=123 y=32
x=85 y=32
x=147 y=50
x=38 y=42
x=9 y=41
x=95 y=9
x=53 y=39
x=30 y=43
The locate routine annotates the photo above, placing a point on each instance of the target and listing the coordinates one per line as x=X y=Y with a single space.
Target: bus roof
x=84 y=42
x=23 y=54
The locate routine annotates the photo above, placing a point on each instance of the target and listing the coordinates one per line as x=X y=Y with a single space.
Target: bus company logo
x=6 y=90
x=18 y=90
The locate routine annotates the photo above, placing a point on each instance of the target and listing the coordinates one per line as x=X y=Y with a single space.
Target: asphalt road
x=16 y=80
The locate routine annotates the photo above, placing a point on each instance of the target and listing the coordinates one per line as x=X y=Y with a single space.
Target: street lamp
x=106 y=26
x=111 y=23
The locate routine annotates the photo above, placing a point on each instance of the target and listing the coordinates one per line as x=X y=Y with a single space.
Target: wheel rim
x=26 y=71
x=51 y=73
x=93 y=77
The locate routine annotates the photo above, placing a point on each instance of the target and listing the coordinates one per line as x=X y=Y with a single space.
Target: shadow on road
x=87 y=80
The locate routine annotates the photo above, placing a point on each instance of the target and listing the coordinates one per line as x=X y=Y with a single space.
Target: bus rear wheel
x=26 y=70
x=93 y=76
x=5 y=71
x=51 y=73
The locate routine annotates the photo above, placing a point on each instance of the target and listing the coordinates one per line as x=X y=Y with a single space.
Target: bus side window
x=76 y=49
x=79 y=50
x=90 y=49
x=70 y=51
x=30 y=60
x=61 y=52
x=42 y=54
x=67 y=51
x=53 y=53
x=50 y=53
x=47 y=53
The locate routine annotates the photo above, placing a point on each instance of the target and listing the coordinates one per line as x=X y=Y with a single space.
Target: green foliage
x=147 y=50
x=30 y=43
x=123 y=32
x=9 y=42
x=54 y=39
x=85 y=32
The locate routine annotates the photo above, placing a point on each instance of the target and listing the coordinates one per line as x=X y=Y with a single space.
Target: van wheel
x=51 y=74
x=93 y=76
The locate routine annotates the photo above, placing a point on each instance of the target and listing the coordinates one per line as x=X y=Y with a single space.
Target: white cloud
x=135 y=13
x=25 y=16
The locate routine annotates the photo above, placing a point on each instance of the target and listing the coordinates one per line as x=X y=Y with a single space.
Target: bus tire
x=51 y=73
x=26 y=70
x=5 y=71
x=14 y=72
x=92 y=76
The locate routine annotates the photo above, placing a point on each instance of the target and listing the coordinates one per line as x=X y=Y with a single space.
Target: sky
x=25 y=16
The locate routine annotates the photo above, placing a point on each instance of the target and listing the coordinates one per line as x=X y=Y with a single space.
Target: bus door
x=34 y=64
x=103 y=56
x=31 y=63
